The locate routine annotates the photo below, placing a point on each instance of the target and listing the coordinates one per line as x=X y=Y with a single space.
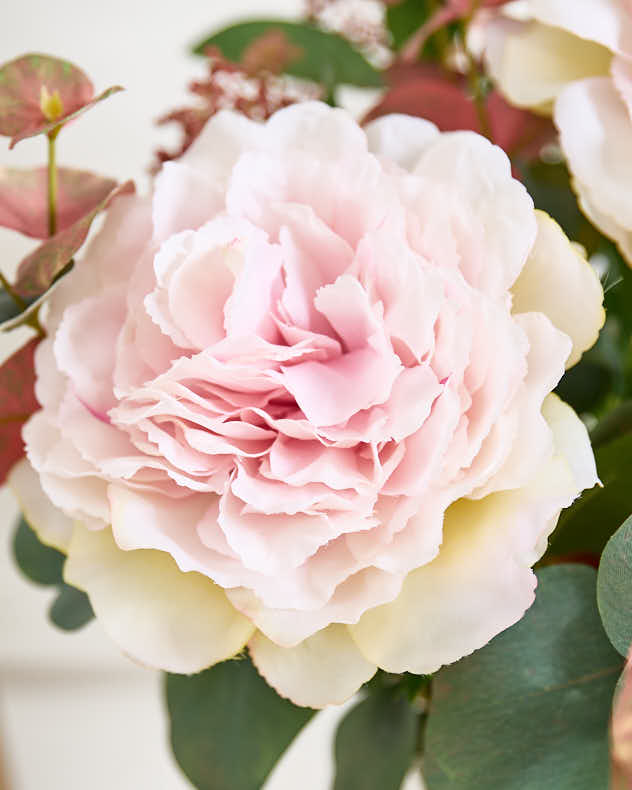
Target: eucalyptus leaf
x=614 y=588
x=40 y=563
x=529 y=711
x=8 y=307
x=228 y=727
x=616 y=423
x=586 y=526
x=326 y=58
x=404 y=18
x=71 y=609
x=375 y=743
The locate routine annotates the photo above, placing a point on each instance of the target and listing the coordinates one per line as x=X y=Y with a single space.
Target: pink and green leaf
x=37 y=271
x=23 y=198
x=17 y=403
x=25 y=80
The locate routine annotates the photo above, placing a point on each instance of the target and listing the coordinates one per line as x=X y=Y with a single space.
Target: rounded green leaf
x=326 y=58
x=71 y=609
x=375 y=743
x=614 y=588
x=228 y=727
x=404 y=18
x=41 y=564
x=529 y=711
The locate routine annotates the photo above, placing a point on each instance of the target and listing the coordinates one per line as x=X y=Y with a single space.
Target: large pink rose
x=299 y=400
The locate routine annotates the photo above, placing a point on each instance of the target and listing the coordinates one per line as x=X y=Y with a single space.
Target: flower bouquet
x=341 y=405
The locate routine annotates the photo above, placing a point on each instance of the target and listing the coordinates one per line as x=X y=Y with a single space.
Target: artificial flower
x=299 y=400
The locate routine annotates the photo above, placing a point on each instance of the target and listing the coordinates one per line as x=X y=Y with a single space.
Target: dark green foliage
x=327 y=58
x=375 y=742
x=530 y=710
x=614 y=588
x=228 y=727
x=43 y=564
x=71 y=609
x=586 y=526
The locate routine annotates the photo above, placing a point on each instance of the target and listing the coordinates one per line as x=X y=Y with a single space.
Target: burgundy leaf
x=25 y=81
x=17 y=403
x=24 y=204
x=38 y=270
x=427 y=91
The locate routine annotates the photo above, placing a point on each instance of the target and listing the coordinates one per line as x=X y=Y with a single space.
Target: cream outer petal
x=599 y=151
x=53 y=527
x=163 y=618
x=606 y=22
x=558 y=281
x=532 y=62
x=481 y=582
x=325 y=669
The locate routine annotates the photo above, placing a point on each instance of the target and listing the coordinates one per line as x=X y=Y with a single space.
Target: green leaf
x=327 y=58
x=550 y=187
x=614 y=424
x=530 y=710
x=614 y=588
x=41 y=564
x=44 y=565
x=587 y=384
x=586 y=526
x=403 y=19
x=375 y=743
x=228 y=727
x=71 y=609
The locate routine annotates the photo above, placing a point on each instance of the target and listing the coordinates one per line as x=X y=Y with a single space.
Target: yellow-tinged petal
x=481 y=582
x=532 y=62
x=52 y=525
x=558 y=281
x=325 y=669
x=160 y=616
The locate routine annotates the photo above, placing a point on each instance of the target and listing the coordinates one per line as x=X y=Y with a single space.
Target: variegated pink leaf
x=26 y=79
x=38 y=270
x=23 y=198
x=17 y=403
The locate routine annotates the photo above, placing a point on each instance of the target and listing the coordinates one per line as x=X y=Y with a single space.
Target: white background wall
x=74 y=713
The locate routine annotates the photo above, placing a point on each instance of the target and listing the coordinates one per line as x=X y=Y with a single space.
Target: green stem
x=52 y=182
